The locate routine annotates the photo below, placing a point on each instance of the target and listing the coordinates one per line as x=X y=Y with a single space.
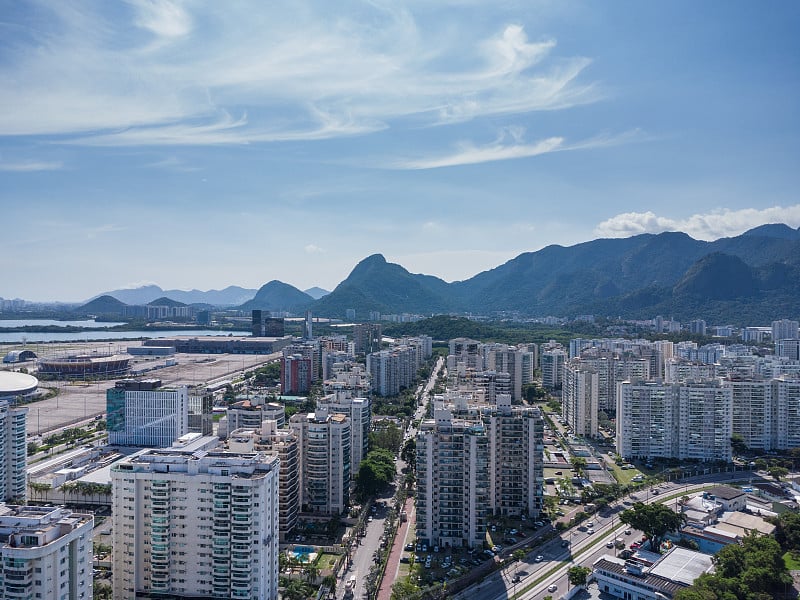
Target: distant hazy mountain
x=316 y=292
x=278 y=296
x=101 y=306
x=752 y=275
x=164 y=301
x=230 y=296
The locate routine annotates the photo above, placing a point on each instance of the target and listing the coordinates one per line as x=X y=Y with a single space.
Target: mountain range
x=753 y=277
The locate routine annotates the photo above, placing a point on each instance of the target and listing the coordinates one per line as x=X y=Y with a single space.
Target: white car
x=552 y=588
x=539 y=558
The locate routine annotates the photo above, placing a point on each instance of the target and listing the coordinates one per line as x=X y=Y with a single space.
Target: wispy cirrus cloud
x=29 y=166
x=708 y=226
x=509 y=145
x=167 y=72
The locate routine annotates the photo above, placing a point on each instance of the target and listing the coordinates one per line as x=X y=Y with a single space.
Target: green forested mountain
x=752 y=276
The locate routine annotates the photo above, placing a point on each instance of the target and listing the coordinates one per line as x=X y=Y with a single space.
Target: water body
x=52 y=323
x=83 y=336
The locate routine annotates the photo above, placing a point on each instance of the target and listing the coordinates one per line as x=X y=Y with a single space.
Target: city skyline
x=195 y=146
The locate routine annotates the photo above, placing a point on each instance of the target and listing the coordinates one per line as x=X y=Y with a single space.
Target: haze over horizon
x=200 y=145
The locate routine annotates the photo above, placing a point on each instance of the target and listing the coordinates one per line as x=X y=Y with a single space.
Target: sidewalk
x=396 y=553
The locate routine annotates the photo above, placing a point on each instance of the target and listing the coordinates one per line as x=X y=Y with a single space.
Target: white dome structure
x=13 y=385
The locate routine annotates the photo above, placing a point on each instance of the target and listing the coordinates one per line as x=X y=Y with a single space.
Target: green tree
x=737 y=444
x=578 y=575
x=655 y=520
x=753 y=570
x=404 y=589
x=409 y=453
x=389 y=437
x=787 y=531
x=375 y=473
x=578 y=464
x=777 y=472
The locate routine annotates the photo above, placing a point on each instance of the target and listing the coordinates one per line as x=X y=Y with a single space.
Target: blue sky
x=206 y=144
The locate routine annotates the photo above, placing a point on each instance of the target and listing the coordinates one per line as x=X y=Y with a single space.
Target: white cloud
x=162 y=17
x=509 y=145
x=165 y=72
x=709 y=226
x=31 y=166
x=313 y=249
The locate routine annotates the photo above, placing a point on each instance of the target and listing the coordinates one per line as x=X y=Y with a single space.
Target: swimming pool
x=303 y=554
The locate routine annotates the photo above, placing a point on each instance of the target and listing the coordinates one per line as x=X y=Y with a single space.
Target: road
x=364 y=554
x=585 y=549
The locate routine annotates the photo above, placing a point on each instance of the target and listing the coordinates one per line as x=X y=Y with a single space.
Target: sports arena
x=87 y=366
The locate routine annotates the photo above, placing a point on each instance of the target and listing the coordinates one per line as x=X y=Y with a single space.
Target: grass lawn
x=792 y=563
x=623 y=476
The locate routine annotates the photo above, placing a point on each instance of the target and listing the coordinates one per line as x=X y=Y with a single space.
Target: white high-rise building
x=579 y=397
x=691 y=420
x=358 y=409
x=516 y=453
x=142 y=413
x=324 y=440
x=195 y=525
x=552 y=368
x=473 y=467
x=46 y=553
x=508 y=360
x=706 y=423
x=753 y=411
x=785 y=329
x=453 y=486
x=13 y=440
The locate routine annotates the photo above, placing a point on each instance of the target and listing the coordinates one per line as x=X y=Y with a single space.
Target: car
x=369 y=519
x=627 y=532
x=494 y=528
x=564 y=543
x=552 y=587
x=436 y=548
x=513 y=532
x=590 y=531
x=539 y=558
x=609 y=544
x=559 y=473
x=403 y=559
x=539 y=523
x=590 y=524
x=635 y=546
x=656 y=491
x=489 y=553
x=409 y=547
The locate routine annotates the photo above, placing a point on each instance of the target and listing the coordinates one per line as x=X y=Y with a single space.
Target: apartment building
x=753 y=411
x=13 y=452
x=198 y=524
x=690 y=420
x=766 y=411
x=785 y=329
x=516 y=450
x=296 y=374
x=394 y=369
x=283 y=443
x=142 y=413
x=324 y=441
x=360 y=412
x=552 y=368
x=474 y=462
x=453 y=486
x=579 y=397
x=46 y=553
